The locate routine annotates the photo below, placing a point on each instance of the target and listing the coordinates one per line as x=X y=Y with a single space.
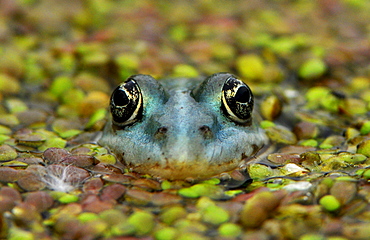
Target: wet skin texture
x=182 y=128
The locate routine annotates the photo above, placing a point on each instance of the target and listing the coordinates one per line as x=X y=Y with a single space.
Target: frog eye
x=237 y=100
x=126 y=103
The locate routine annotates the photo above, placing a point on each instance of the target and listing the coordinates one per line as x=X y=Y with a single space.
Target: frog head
x=183 y=128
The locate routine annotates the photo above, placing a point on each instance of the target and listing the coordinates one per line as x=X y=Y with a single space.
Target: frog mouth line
x=184 y=170
x=172 y=169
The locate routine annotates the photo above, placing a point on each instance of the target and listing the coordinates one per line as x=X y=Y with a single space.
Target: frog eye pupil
x=120 y=98
x=242 y=95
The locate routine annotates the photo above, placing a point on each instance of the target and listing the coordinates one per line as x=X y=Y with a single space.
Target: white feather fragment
x=59 y=178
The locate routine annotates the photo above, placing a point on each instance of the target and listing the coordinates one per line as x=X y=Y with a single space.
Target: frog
x=183 y=128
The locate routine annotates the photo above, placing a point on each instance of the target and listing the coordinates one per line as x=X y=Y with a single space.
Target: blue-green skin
x=183 y=106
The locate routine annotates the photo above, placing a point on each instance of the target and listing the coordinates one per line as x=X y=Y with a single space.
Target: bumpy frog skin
x=182 y=128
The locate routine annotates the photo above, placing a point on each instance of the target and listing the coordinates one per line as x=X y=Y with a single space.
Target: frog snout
x=184 y=142
x=203 y=131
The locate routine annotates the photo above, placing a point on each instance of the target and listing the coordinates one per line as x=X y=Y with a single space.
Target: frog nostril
x=206 y=131
x=161 y=132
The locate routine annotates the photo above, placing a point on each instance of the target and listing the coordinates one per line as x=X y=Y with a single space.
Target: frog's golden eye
x=126 y=103
x=237 y=100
